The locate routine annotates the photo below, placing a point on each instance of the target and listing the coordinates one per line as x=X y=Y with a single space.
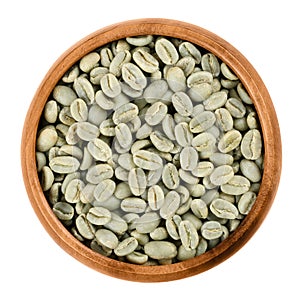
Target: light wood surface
x=271 y=136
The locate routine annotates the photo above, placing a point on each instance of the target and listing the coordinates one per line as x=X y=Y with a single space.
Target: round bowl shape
x=271 y=137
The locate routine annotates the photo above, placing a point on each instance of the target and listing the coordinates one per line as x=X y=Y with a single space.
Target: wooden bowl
x=271 y=137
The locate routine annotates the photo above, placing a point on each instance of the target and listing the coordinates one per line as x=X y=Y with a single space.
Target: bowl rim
x=270 y=131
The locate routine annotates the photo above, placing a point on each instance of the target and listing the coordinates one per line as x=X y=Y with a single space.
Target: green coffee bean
x=97 y=173
x=215 y=101
x=145 y=61
x=84 y=89
x=221 y=175
x=117 y=62
x=209 y=63
x=237 y=185
x=188 y=235
x=203 y=141
x=230 y=141
x=170 y=176
x=202 y=121
x=155 y=91
x=156 y=113
x=188 y=158
x=211 y=230
x=182 y=103
x=224 y=119
x=147 y=160
x=161 y=142
x=125 y=113
x=166 y=51
x=84 y=227
x=87 y=131
x=160 y=250
x=106 y=238
x=46 y=139
x=250 y=170
x=156 y=197
x=199 y=208
x=147 y=222
x=64 y=211
x=188 y=49
x=64 y=164
x=98 y=215
x=183 y=134
x=246 y=202
x=104 y=190
x=170 y=205
x=223 y=209
x=73 y=190
x=126 y=247
x=235 y=107
x=64 y=95
x=251 y=145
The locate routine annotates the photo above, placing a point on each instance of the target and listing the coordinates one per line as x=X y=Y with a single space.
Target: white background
x=33 y=35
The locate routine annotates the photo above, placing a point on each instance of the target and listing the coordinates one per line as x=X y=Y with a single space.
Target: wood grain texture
x=271 y=136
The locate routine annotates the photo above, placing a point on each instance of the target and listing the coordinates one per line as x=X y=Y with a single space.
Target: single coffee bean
x=182 y=103
x=145 y=61
x=188 y=49
x=176 y=79
x=160 y=250
x=46 y=139
x=84 y=227
x=147 y=160
x=64 y=211
x=123 y=135
x=183 y=134
x=89 y=61
x=106 y=238
x=188 y=158
x=73 y=190
x=221 y=175
x=188 y=235
x=99 y=172
x=64 y=164
x=133 y=205
x=223 y=209
x=251 y=145
x=147 y=222
x=224 y=119
x=84 y=89
x=126 y=246
x=98 y=215
x=237 y=185
x=170 y=176
x=246 y=202
x=125 y=113
x=156 y=113
x=230 y=141
x=99 y=150
x=87 y=131
x=137 y=181
x=250 y=170
x=64 y=95
x=133 y=76
x=166 y=51
x=161 y=142
x=211 y=230
x=104 y=190
x=156 y=197
x=170 y=205
x=202 y=121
